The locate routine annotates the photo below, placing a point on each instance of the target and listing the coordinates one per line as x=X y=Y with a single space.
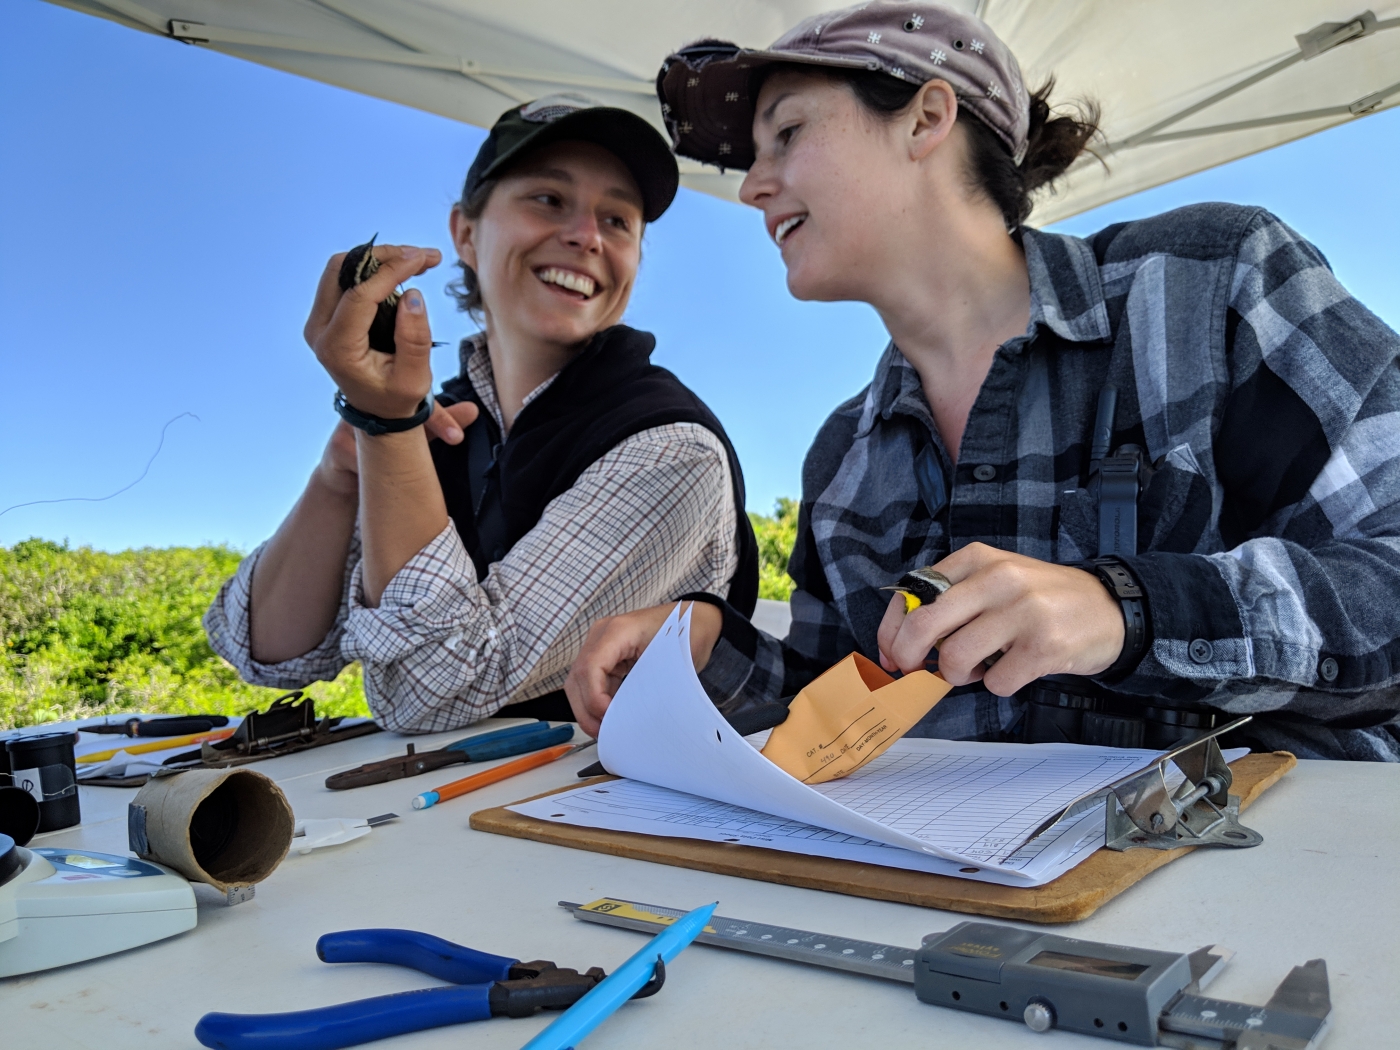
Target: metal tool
x=645 y=968
x=484 y=747
x=333 y=831
x=1142 y=812
x=1132 y=995
x=175 y=725
x=485 y=986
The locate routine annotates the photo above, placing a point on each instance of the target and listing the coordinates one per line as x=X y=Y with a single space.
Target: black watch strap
x=1124 y=586
x=374 y=425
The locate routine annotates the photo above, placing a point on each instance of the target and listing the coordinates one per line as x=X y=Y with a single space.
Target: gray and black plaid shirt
x=1268 y=400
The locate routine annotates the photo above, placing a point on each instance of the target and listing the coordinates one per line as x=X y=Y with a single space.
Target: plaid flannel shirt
x=1268 y=400
x=652 y=519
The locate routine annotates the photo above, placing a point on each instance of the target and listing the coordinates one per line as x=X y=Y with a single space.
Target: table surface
x=1321 y=885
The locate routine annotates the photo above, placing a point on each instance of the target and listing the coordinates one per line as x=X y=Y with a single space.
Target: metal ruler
x=890 y=961
x=1129 y=995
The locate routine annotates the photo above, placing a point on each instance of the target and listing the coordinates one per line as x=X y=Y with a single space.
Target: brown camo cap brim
x=707 y=89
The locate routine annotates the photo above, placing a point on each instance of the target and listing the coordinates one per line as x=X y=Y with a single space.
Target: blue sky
x=166 y=212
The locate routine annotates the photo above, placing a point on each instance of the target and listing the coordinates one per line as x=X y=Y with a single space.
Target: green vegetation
x=83 y=633
x=776 y=536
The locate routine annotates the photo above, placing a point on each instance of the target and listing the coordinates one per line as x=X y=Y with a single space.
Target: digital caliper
x=1133 y=995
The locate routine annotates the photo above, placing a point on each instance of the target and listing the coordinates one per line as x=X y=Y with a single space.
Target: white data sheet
x=959 y=804
x=629 y=805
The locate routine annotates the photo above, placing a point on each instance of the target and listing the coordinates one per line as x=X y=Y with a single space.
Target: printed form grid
x=640 y=801
x=976 y=806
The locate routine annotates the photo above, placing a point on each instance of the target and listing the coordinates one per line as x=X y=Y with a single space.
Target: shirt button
x=1201 y=651
x=985 y=472
x=1328 y=669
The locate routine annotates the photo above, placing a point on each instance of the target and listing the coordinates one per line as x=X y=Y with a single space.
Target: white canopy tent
x=1184 y=85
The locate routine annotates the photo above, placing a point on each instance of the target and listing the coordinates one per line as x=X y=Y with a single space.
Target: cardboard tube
x=227 y=827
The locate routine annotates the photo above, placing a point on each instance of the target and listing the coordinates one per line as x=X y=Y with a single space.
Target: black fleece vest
x=497 y=491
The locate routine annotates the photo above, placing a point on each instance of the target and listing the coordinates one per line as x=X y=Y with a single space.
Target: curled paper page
x=661 y=728
x=974 y=803
x=848 y=716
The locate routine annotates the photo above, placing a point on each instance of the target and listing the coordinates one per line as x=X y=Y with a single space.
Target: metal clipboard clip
x=1142 y=812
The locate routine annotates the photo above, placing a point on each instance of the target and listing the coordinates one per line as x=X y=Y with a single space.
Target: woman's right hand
x=388 y=385
x=339 y=469
x=612 y=648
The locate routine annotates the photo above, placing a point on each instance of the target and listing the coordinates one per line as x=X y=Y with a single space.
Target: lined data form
x=954 y=807
x=980 y=801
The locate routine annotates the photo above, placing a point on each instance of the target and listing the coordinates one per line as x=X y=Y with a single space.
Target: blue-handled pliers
x=486 y=986
x=485 y=747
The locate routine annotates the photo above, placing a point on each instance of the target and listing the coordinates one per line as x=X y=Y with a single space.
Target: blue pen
x=593 y=1009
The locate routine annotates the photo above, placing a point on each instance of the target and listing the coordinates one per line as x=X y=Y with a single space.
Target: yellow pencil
x=158 y=745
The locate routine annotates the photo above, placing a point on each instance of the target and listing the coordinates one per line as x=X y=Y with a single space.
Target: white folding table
x=1322 y=884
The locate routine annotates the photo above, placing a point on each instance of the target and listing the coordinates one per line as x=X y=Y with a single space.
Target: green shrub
x=84 y=632
x=776 y=535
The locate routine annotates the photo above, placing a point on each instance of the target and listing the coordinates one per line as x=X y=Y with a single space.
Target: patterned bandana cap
x=556 y=118
x=708 y=103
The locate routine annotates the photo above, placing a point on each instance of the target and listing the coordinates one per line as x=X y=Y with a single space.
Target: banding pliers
x=486 y=986
x=485 y=747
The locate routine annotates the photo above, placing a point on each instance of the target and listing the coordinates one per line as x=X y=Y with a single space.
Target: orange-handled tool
x=504 y=771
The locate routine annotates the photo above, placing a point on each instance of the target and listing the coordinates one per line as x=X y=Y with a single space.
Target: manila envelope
x=848 y=716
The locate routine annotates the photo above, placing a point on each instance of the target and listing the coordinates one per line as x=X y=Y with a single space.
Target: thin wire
x=99 y=499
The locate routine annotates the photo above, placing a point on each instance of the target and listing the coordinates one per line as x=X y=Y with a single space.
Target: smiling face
x=836 y=186
x=557 y=246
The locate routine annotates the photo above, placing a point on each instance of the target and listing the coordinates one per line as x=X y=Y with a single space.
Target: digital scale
x=1132 y=995
x=61 y=906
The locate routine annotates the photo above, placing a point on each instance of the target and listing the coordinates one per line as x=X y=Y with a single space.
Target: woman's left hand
x=1045 y=619
x=390 y=386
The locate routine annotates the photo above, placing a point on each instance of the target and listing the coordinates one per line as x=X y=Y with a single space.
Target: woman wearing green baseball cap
x=1159 y=466
x=460 y=546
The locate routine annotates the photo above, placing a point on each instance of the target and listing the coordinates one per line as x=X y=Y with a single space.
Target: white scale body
x=67 y=905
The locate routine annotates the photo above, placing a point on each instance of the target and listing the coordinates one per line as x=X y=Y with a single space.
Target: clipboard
x=1073 y=896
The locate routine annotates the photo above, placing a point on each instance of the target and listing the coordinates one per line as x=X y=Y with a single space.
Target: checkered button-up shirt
x=1268 y=400
x=652 y=519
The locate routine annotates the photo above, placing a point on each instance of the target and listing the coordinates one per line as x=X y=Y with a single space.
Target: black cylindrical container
x=43 y=765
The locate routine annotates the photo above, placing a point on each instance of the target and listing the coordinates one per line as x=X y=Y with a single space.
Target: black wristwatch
x=374 y=425
x=1123 y=585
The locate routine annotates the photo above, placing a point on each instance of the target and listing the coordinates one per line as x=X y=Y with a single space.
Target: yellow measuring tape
x=628 y=910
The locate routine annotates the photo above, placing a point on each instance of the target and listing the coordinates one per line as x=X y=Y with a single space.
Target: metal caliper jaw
x=1142 y=812
x=1296 y=1017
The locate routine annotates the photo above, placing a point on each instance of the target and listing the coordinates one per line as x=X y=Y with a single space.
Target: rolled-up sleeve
x=652 y=519
x=228 y=624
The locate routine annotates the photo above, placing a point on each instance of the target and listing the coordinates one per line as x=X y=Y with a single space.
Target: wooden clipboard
x=1075 y=895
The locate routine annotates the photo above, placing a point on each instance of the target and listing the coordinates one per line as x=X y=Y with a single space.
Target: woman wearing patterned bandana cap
x=894 y=151
x=463 y=570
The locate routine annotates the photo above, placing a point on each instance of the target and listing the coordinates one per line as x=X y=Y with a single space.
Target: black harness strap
x=1116 y=481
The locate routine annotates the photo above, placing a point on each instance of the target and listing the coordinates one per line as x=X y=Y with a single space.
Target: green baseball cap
x=556 y=118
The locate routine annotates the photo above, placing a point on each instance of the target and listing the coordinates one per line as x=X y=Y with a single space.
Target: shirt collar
x=1066 y=297
x=476 y=362
x=1066 y=292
